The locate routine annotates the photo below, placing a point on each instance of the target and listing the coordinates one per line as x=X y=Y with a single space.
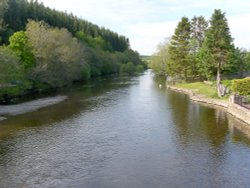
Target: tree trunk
x=218 y=80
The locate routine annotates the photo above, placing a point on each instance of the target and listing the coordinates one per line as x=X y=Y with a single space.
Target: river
x=123 y=133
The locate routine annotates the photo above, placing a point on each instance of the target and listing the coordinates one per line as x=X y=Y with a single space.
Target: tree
x=133 y=56
x=160 y=61
x=128 y=68
x=237 y=62
x=198 y=28
x=3 y=8
x=180 y=49
x=19 y=11
x=205 y=64
x=59 y=56
x=247 y=61
x=21 y=46
x=218 y=44
x=10 y=70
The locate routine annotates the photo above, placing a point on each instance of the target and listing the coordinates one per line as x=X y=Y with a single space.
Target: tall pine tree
x=180 y=48
x=199 y=27
x=3 y=8
x=218 y=45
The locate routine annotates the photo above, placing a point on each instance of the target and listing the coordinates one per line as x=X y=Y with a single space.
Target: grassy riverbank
x=207 y=90
x=200 y=88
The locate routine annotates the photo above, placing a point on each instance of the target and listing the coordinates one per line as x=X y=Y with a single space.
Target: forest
x=200 y=50
x=43 y=49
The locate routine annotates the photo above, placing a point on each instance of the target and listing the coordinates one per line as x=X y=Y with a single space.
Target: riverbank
x=229 y=106
x=17 y=109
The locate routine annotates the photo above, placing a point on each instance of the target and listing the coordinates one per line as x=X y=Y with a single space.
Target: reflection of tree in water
x=201 y=135
x=214 y=123
x=179 y=107
x=240 y=131
x=160 y=80
x=81 y=97
x=195 y=121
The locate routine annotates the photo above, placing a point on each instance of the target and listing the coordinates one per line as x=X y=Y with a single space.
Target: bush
x=139 y=68
x=227 y=83
x=241 y=86
x=128 y=68
x=86 y=72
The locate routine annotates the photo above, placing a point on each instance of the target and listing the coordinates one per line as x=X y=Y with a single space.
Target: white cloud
x=148 y=22
x=152 y=29
x=106 y=11
x=147 y=36
x=240 y=30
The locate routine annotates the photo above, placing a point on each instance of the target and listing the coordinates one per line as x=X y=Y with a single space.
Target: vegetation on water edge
x=201 y=50
x=208 y=89
x=241 y=86
x=200 y=88
x=44 y=49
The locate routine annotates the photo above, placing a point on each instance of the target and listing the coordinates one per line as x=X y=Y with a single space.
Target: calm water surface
x=124 y=133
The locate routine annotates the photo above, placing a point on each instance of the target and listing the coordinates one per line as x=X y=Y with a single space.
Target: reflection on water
x=124 y=132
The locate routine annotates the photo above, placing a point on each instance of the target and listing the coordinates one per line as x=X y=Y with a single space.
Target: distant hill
x=145 y=58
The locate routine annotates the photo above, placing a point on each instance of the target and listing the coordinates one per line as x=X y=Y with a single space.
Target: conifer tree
x=180 y=48
x=218 y=45
x=199 y=26
x=3 y=7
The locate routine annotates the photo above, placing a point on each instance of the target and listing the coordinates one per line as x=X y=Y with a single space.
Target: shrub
x=128 y=68
x=86 y=72
x=241 y=86
x=139 y=68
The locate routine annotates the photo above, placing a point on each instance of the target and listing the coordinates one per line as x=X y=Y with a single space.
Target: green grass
x=200 y=88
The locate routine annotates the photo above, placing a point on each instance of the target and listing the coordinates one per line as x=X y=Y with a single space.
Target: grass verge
x=200 y=88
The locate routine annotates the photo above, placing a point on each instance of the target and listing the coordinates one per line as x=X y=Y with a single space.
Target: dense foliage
x=59 y=57
x=9 y=67
x=241 y=86
x=201 y=50
x=179 y=48
x=160 y=61
x=19 y=11
x=218 y=45
x=44 y=48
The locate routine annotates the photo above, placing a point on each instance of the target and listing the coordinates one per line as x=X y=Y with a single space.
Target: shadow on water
x=192 y=120
x=204 y=136
x=240 y=131
x=124 y=132
x=81 y=97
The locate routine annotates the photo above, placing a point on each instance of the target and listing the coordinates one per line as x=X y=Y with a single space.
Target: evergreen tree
x=3 y=8
x=19 y=11
x=239 y=62
x=218 y=43
x=180 y=49
x=199 y=26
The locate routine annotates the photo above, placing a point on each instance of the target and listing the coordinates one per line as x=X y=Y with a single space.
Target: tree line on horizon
x=17 y=12
x=42 y=48
x=201 y=49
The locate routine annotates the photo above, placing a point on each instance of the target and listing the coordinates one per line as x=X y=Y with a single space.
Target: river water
x=123 y=133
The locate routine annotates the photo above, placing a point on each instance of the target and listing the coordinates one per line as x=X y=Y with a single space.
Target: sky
x=149 y=22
